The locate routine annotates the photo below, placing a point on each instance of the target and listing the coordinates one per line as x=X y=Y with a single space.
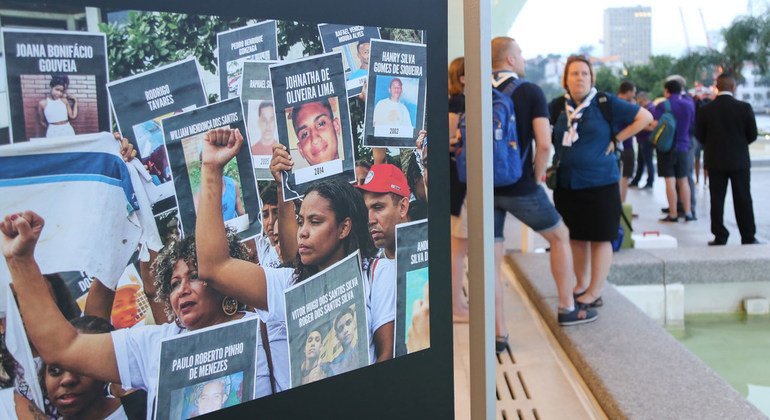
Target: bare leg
x=671 y=196
x=581 y=257
x=500 y=329
x=459 y=303
x=684 y=193
x=623 y=189
x=601 y=260
x=561 y=264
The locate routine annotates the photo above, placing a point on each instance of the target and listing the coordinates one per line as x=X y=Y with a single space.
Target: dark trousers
x=744 y=212
x=644 y=160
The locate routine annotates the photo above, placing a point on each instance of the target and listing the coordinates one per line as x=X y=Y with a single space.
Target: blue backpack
x=507 y=159
x=665 y=132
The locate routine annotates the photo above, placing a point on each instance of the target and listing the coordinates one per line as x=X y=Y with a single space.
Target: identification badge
x=565 y=141
x=498 y=133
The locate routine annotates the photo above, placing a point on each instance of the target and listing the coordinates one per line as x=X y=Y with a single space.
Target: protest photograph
x=412 y=329
x=353 y=42
x=141 y=101
x=257 y=42
x=395 y=102
x=110 y=206
x=207 y=370
x=257 y=99
x=56 y=83
x=313 y=121
x=184 y=136
x=326 y=322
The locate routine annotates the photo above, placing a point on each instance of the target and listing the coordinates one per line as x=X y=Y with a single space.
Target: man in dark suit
x=726 y=127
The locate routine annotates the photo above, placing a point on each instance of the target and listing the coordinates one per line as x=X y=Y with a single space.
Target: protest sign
x=257 y=99
x=56 y=83
x=395 y=100
x=256 y=42
x=183 y=135
x=313 y=121
x=353 y=42
x=411 y=287
x=208 y=369
x=326 y=322
x=140 y=102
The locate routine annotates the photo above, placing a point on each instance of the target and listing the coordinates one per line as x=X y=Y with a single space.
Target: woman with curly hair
x=131 y=356
x=332 y=223
x=58 y=108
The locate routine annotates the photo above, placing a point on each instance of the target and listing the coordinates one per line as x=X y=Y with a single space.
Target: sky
x=539 y=31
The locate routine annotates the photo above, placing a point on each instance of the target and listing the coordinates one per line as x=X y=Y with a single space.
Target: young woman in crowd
x=457 y=189
x=330 y=225
x=587 y=193
x=74 y=396
x=130 y=357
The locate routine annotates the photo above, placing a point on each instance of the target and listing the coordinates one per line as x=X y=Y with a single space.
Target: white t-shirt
x=119 y=414
x=391 y=113
x=7 y=404
x=266 y=253
x=380 y=298
x=137 y=353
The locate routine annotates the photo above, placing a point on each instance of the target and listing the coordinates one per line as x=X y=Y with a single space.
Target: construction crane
x=705 y=29
x=684 y=28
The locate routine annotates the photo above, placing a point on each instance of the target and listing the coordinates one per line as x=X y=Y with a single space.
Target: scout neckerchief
x=574 y=115
x=498 y=77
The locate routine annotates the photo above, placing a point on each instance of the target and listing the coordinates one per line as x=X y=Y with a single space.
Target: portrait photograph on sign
x=412 y=298
x=257 y=99
x=255 y=43
x=184 y=135
x=142 y=101
x=207 y=370
x=395 y=101
x=56 y=83
x=313 y=121
x=353 y=42
x=327 y=324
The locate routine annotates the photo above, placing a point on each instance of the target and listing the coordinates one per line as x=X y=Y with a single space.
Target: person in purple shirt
x=675 y=166
x=644 y=154
x=627 y=92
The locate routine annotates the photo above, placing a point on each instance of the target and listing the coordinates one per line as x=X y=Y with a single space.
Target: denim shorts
x=534 y=210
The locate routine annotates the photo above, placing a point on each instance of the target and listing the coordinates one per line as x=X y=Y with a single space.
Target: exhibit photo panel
x=203 y=208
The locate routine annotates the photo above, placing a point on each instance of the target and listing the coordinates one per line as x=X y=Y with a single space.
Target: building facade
x=628 y=33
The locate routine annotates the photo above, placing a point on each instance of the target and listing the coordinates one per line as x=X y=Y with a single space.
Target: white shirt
x=391 y=113
x=7 y=404
x=266 y=253
x=119 y=414
x=381 y=298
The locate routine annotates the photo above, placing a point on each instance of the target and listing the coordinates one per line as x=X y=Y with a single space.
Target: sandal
x=669 y=219
x=598 y=302
x=501 y=343
x=582 y=314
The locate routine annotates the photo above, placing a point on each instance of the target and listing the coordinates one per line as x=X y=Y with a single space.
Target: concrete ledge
x=637 y=267
x=725 y=264
x=634 y=368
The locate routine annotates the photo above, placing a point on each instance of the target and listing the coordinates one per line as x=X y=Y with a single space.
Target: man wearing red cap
x=386 y=194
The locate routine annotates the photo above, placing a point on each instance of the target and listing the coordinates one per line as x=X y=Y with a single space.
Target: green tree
x=152 y=39
x=606 y=80
x=650 y=77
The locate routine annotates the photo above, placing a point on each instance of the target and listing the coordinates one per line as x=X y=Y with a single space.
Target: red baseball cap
x=386 y=178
